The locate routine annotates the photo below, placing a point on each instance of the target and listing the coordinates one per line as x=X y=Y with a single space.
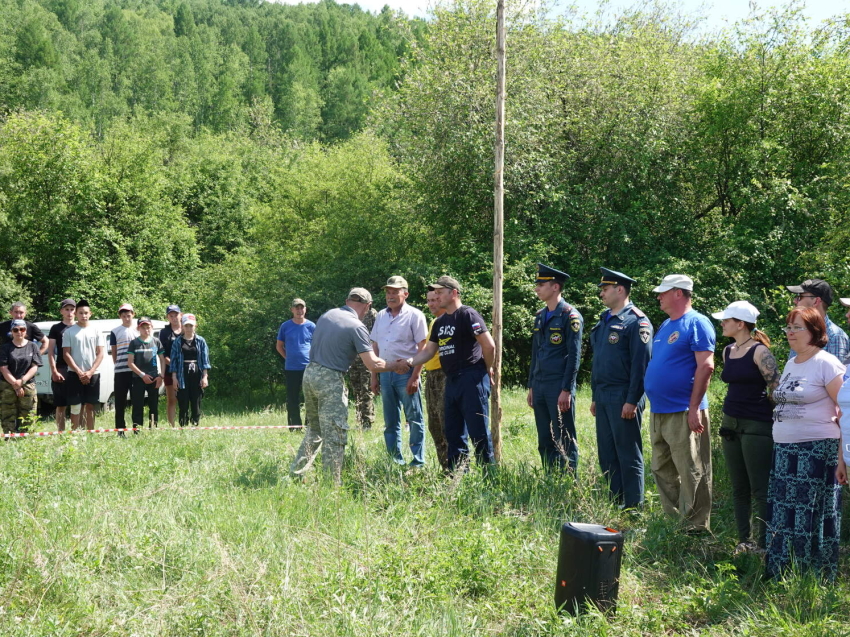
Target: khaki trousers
x=681 y=464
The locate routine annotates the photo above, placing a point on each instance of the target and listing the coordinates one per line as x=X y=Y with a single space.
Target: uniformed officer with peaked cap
x=555 y=357
x=622 y=346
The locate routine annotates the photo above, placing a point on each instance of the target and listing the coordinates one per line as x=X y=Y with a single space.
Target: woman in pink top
x=804 y=495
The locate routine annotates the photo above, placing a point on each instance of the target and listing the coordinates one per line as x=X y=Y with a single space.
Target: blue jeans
x=467 y=415
x=394 y=398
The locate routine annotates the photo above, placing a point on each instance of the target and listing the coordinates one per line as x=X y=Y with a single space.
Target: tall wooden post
x=498 y=231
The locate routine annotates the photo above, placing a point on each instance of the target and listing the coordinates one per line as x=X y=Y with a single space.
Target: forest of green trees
x=228 y=155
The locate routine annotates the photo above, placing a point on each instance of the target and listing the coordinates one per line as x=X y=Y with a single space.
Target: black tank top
x=747 y=395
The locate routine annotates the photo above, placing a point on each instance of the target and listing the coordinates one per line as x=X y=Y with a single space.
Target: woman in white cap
x=750 y=370
x=190 y=363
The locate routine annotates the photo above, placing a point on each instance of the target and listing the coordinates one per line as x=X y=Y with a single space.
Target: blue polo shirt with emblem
x=669 y=377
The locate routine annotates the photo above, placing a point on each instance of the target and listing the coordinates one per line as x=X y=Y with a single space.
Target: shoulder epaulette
x=637 y=312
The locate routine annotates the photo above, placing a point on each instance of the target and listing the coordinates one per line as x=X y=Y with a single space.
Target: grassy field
x=203 y=533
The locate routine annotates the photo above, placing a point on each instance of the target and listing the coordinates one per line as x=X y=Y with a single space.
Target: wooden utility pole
x=498 y=232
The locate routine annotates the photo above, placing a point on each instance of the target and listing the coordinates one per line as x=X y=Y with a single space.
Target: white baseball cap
x=671 y=281
x=739 y=310
x=844 y=302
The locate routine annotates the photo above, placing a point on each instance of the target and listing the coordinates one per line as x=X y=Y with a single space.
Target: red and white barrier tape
x=106 y=431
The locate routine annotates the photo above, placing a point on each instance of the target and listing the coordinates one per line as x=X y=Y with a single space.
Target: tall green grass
x=204 y=533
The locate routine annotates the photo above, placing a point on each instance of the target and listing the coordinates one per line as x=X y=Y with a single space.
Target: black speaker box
x=588 y=567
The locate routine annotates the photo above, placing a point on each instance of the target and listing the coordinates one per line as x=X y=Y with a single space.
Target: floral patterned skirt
x=804 y=508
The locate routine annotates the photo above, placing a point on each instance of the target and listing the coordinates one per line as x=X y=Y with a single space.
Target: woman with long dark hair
x=750 y=370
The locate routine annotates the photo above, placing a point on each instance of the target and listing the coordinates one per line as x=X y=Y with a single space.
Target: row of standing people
x=781 y=432
x=673 y=367
x=75 y=349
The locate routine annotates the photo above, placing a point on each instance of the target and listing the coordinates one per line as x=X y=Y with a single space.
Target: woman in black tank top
x=750 y=370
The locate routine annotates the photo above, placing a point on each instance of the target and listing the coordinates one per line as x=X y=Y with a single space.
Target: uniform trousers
x=144 y=394
x=556 y=429
x=294 y=382
x=364 y=405
x=467 y=414
x=681 y=465
x=326 y=406
x=122 y=387
x=435 y=400
x=189 y=397
x=621 y=450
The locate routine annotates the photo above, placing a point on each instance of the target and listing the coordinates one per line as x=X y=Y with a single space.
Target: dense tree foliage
x=231 y=155
x=321 y=65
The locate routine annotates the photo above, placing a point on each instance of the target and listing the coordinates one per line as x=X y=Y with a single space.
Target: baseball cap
x=296 y=302
x=815 y=287
x=126 y=307
x=844 y=302
x=70 y=302
x=740 y=310
x=396 y=282
x=671 y=281
x=83 y=303
x=144 y=320
x=445 y=281
x=189 y=319
x=361 y=295
x=172 y=308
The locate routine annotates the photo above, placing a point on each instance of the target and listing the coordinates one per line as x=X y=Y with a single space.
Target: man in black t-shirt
x=467 y=353
x=18 y=312
x=58 y=366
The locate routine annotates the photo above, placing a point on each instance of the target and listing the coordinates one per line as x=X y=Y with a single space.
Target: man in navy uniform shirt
x=555 y=357
x=622 y=346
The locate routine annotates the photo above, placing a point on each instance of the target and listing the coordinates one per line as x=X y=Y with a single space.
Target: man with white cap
x=293 y=344
x=817 y=293
x=338 y=339
x=676 y=383
x=399 y=332
x=119 y=340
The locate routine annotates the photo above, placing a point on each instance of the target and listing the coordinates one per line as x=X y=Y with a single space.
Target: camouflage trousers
x=361 y=378
x=435 y=400
x=15 y=410
x=326 y=404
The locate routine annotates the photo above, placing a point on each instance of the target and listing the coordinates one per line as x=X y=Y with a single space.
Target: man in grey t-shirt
x=340 y=337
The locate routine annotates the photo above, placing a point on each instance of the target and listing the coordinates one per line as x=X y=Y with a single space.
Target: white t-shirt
x=844 y=406
x=804 y=411
x=83 y=342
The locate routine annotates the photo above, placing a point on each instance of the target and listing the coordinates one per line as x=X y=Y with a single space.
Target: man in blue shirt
x=293 y=344
x=676 y=383
x=817 y=293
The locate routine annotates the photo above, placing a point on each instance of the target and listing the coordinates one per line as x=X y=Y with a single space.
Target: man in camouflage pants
x=360 y=377
x=339 y=339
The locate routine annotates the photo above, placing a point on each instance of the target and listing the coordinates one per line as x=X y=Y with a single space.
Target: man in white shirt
x=400 y=332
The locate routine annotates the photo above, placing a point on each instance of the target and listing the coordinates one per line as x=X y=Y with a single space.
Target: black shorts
x=82 y=394
x=60 y=390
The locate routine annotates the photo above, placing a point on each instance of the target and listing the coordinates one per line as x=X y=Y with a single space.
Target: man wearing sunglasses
x=817 y=293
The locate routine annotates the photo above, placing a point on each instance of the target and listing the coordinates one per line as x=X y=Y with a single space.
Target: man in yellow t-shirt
x=435 y=389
